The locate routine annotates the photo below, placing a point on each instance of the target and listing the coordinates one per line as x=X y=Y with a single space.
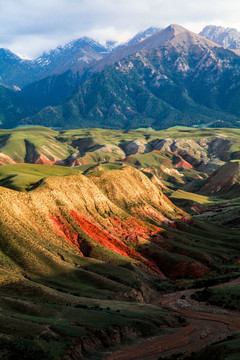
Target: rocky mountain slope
x=50 y=78
x=179 y=78
x=12 y=67
x=156 y=40
x=74 y=55
x=51 y=90
x=226 y=37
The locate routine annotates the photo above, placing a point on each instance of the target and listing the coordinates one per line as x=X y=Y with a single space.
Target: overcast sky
x=28 y=27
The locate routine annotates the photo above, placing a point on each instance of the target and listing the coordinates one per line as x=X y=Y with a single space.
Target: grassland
x=22 y=177
x=185 y=195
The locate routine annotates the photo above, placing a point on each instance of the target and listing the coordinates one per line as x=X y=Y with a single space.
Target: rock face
x=131 y=188
x=205 y=154
x=151 y=42
x=226 y=37
x=73 y=56
x=5 y=159
x=137 y=147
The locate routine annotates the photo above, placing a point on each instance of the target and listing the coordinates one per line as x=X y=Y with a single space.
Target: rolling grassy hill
x=196 y=148
x=24 y=176
x=31 y=145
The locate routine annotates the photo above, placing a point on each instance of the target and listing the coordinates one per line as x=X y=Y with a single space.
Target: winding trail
x=205 y=325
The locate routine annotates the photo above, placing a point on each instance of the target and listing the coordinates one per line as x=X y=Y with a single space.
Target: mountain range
x=76 y=54
x=174 y=77
x=15 y=71
x=160 y=78
x=227 y=37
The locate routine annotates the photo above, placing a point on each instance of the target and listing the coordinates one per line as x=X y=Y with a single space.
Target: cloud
x=31 y=26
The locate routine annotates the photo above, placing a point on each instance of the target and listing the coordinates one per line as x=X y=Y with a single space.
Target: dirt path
x=205 y=324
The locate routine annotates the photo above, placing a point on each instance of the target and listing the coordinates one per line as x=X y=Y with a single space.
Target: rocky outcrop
x=204 y=154
x=137 y=147
x=5 y=159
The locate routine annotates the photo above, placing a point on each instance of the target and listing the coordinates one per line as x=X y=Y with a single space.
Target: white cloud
x=31 y=26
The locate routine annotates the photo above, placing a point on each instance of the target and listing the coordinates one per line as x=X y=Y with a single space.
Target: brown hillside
x=224 y=181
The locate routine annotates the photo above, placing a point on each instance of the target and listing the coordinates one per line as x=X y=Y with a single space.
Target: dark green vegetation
x=228 y=297
x=13 y=107
x=223 y=350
